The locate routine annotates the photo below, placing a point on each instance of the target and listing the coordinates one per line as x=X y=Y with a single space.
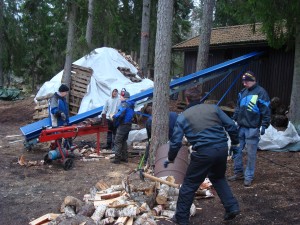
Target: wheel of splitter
x=47 y=160
x=68 y=164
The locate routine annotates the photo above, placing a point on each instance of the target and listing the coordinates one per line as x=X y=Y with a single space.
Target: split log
x=107 y=202
x=130 y=211
x=156 y=210
x=77 y=219
x=45 y=218
x=105 y=221
x=129 y=221
x=117 y=187
x=99 y=213
x=168 y=213
x=121 y=220
x=69 y=211
x=172 y=206
x=101 y=185
x=162 y=195
x=120 y=203
x=144 y=208
x=140 y=198
x=147 y=187
x=110 y=195
x=172 y=198
x=71 y=201
x=144 y=219
x=87 y=210
x=87 y=198
x=173 y=191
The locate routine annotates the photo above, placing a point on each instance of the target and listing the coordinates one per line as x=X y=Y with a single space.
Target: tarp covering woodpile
x=105 y=63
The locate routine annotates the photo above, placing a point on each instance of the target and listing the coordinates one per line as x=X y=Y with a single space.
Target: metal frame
x=32 y=131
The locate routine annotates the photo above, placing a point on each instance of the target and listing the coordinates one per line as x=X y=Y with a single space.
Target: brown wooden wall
x=274 y=71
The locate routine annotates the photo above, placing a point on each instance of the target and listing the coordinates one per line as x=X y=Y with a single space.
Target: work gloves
x=63 y=116
x=166 y=163
x=234 y=149
x=262 y=130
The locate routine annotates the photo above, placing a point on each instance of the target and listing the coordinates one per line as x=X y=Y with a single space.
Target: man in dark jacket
x=122 y=121
x=252 y=115
x=203 y=125
x=58 y=107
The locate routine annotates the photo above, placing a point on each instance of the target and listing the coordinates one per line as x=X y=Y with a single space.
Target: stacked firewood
x=279 y=112
x=134 y=202
x=129 y=59
x=127 y=73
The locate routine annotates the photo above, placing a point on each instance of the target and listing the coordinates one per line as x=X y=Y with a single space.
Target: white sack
x=137 y=135
x=274 y=139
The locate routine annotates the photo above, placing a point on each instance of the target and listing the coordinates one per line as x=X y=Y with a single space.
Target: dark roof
x=230 y=35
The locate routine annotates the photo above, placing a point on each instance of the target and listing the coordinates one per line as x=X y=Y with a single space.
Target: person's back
x=204 y=127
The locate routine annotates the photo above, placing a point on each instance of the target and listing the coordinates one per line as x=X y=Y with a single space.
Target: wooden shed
x=274 y=70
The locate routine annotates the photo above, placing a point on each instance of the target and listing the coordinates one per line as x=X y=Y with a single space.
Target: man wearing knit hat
x=58 y=107
x=252 y=115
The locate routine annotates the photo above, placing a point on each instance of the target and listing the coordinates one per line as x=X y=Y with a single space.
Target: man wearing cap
x=252 y=115
x=122 y=121
x=204 y=127
x=110 y=108
x=58 y=107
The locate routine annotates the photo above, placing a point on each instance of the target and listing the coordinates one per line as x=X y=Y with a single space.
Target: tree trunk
x=145 y=38
x=205 y=33
x=1 y=44
x=160 y=114
x=294 y=113
x=66 y=79
x=89 y=26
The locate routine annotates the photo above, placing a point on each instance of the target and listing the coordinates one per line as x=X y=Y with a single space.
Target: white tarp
x=106 y=77
x=274 y=139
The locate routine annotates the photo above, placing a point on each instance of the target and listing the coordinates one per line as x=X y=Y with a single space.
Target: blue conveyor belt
x=32 y=131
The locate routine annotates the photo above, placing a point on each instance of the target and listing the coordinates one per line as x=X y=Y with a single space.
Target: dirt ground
x=30 y=192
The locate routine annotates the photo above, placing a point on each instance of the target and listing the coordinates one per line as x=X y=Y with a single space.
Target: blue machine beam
x=32 y=131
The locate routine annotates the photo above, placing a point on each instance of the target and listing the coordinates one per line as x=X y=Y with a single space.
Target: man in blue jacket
x=204 y=127
x=58 y=107
x=252 y=115
x=122 y=121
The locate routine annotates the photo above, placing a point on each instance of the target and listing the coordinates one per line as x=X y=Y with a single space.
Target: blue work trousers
x=249 y=138
x=204 y=163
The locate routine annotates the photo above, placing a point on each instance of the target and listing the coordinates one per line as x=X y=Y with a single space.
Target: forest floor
x=30 y=192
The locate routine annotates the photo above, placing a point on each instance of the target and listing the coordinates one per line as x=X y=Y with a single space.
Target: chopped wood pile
x=129 y=59
x=127 y=73
x=134 y=202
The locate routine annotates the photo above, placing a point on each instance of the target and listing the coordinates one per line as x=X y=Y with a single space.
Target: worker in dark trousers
x=59 y=111
x=58 y=107
x=122 y=121
x=204 y=127
x=109 y=109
